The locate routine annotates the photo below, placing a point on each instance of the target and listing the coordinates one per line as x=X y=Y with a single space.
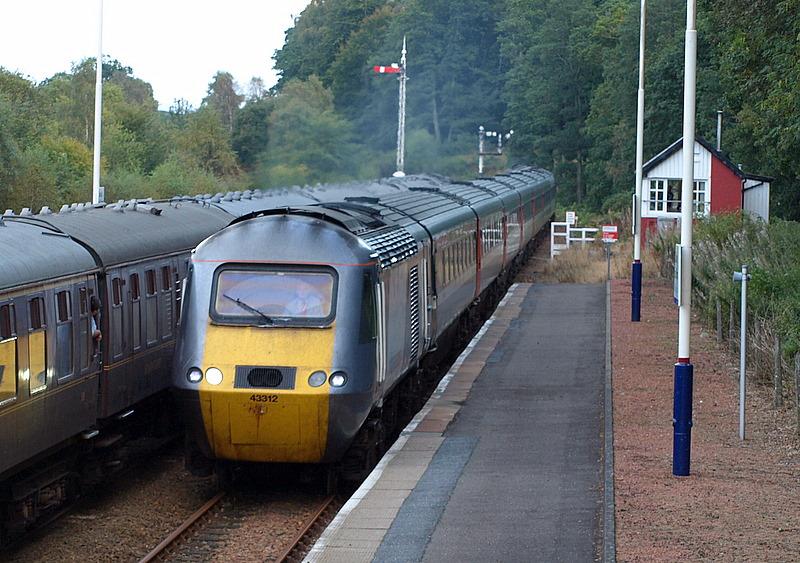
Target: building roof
x=678 y=145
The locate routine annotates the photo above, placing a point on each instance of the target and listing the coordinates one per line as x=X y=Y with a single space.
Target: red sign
x=394 y=68
x=610 y=233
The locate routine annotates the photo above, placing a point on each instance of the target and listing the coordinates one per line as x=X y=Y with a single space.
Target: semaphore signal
x=399 y=69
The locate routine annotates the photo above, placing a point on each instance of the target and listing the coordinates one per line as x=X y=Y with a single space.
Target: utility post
x=636 y=267
x=742 y=277
x=684 y=370
x=97 y=193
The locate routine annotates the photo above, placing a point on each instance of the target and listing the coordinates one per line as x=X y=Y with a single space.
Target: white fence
x=562 y=236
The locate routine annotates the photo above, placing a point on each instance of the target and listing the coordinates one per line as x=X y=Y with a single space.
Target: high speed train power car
x=300 y=324
x=67 y=400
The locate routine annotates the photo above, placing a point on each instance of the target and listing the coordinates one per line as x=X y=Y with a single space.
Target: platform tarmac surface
x=504 y=463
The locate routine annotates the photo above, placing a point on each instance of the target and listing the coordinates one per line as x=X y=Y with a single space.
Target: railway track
x=275 y=528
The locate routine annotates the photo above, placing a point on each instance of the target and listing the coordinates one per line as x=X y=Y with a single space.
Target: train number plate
x=264 y=398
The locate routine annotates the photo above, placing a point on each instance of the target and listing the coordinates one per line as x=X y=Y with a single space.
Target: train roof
x=128 y=232
x=33 y=253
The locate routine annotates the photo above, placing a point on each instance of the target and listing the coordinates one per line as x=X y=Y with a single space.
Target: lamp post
x=97 y=195
x=636 y=267
x=684 y=370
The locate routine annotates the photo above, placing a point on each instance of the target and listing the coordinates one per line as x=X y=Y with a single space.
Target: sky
x=175 y=45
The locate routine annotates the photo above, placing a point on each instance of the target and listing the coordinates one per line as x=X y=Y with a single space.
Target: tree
x=550 y=82
x=313 y=43
x=223 y=98
x=308 y=141
x=250 y=131
x=205 y=141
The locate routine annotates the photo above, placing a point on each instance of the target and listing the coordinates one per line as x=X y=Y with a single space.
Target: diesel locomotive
x=68 y=402
x=301 y=323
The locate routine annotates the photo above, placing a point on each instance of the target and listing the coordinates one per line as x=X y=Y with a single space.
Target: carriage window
x=63 y=334
x=135 y=291
x=267 y=296
x=116 y=290
x=136 y=311
x=117 y=319
x=37 y=347
x=166 y=290
x=36 y=306
x=151 y=308
x=84 y=326
x=151 y=282
x=368 y=330
x=8 y=355
x=7 y=322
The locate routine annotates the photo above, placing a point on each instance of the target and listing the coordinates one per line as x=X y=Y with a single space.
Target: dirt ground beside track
x=742 y=499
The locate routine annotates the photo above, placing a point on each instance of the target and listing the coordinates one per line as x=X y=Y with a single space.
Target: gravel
x=741 y=501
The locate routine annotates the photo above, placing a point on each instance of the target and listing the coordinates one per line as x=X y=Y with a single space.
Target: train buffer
x=505 y=462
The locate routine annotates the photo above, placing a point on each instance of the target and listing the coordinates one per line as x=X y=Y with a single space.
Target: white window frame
x=658 y=191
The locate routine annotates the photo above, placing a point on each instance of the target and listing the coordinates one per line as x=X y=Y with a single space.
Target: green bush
x=721 y=245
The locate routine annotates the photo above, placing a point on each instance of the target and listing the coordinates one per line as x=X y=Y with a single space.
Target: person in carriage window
x=97 y=336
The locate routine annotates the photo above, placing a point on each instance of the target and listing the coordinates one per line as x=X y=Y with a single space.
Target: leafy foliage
x=561 y=73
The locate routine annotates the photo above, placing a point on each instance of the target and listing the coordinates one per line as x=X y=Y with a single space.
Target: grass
x=587 y=264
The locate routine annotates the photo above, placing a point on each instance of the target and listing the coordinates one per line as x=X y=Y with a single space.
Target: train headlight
x=317 y=378
x=194 y=375
x=338 y=379
x=214 y=376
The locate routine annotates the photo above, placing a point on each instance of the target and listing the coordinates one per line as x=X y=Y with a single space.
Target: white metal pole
x=690 y=84
x=743 y=352
x=684 y=370
x=636 y=267
x=637 y=244
x=97 y=197
x=401 y=115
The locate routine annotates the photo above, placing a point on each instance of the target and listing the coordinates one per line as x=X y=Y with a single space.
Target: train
x=69 y=401
x=303 y=327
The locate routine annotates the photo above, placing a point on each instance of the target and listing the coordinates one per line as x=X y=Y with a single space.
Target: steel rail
x=203 y=510
x=284 y=556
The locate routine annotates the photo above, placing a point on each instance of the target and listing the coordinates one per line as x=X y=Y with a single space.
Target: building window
x=665 y=195
x=700 y=197
x=658 y=191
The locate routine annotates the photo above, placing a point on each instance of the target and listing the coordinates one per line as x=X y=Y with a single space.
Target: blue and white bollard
x=636 y=291
x=682 y=418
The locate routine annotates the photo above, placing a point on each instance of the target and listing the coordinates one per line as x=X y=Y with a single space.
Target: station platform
x=506 y=460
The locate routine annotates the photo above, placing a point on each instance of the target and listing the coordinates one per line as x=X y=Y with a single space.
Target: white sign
x=571 y=218
x=610 y=233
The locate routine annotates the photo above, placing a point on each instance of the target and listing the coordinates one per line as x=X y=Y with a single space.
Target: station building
x=719 y=187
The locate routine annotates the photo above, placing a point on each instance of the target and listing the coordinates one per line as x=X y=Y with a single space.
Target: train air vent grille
x=413 y=308
x=392 y=245
x=264 y=377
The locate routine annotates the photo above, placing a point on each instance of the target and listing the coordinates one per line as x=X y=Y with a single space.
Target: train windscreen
x=266 y=296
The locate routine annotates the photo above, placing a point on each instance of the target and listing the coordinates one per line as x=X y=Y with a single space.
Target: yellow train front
x=277 y=355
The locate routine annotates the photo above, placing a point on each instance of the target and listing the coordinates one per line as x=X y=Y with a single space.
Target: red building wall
x=726 y=188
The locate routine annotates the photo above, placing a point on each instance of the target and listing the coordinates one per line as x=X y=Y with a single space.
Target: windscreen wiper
x=250 y=308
